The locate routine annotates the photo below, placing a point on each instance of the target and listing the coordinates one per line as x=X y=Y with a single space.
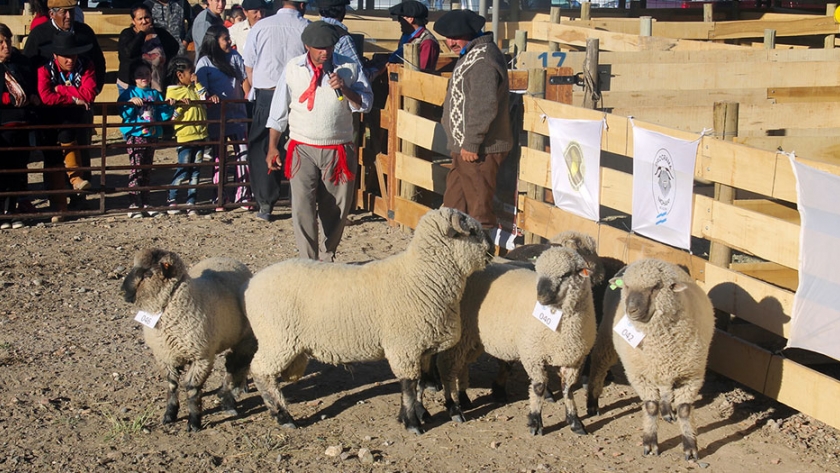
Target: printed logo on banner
x=664 y=180
x=575 y=165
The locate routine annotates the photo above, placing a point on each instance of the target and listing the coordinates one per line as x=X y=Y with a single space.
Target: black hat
x=254 y=5
x=409 y=8
x=457 y=23
x=320 y=34
x=64 y=44
x=332 y=3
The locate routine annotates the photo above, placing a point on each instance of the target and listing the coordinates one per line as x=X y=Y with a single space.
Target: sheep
x=200 y=316
x=496 y=316
x=403 y=308
x=668 y=366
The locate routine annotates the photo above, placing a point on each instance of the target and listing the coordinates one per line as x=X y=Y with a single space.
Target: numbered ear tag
x=548 y=316
x=625 y=329
x=147 y=319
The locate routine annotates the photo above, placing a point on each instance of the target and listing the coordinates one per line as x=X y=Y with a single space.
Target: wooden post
x=370 y=4
x=520 y=43
x=536 y=88
x=829 y=39
x=769 y=39
x=708 y=12
x=455 y=5
x=514 y=11
x=645 y=25
x=412 y=60
x=555 y=18
x=725 y=118
x=585 y=11
x=591 y=86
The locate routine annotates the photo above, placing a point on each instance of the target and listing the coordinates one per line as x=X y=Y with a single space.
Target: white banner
x=815 y=322
x=576 y=165
x=663 y=180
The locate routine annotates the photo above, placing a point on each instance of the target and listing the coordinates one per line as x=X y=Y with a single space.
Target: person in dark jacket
x=475 y=115
x=144 y=41
x=174 y=16
x=17 y=90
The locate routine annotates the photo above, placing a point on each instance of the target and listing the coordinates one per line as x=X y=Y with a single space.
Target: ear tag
x=616 y=284
x=548 y=316
x=147 y=319
x=625 y=329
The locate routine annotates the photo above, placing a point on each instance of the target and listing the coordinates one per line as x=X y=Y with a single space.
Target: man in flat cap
x=254 y=11
x=333 y=12
x=315 y=99
x=413 y=17
x=272 y=42
x=475 y=115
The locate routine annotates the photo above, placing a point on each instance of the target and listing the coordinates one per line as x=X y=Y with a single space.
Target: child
x=68 y=79
x=141 y=137
x=222 y=71
x=183 y=88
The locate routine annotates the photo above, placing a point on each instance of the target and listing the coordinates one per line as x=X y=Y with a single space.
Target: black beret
x=254 y=5
x=409 y=8
x=320 y=34
x=457 y=23
x=332 y=3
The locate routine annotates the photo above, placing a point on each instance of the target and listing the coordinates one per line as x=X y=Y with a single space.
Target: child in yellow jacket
x=184 y=89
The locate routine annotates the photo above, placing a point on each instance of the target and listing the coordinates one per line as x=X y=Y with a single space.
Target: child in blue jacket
x=139 y=135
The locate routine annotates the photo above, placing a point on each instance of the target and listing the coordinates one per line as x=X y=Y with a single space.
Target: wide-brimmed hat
x=61 y=3
x=64 y=43
x=254 y=5
x=409 y=8
x=320 y=34
x=457 y=23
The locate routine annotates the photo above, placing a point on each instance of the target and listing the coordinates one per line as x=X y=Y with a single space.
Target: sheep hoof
x=549 y=396
x=498 y=393
x=170 y=417
x=422 y=413
x=651 y=450
x=415 y=430
x=592 y=408
x=455 y=412
x=576 y=425
x=464 y=401
x=194 y=426
x=535 y=424
x=689 y=456
x=288 y=425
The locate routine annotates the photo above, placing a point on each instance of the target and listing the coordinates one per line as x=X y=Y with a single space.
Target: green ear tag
x=618 y=283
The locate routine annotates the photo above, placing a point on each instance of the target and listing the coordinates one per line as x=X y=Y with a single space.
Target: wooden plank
x=737 y=228
x=752 y=361
x=811 y=147
x=423 y=132
x=755 y=29
x=610 y=41
x=803 y=389
x=547 y=220
x=750 y=299
x=628 y=99
x=772 y=273
x=422 y=173
x=407 y=212
x=425 y=87
x=518 y=80
x=770 y=208
x=804 y=94
x=382 y=164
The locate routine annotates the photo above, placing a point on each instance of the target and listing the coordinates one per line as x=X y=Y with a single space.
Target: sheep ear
x=166 y=269
x=585 y=272
x=678 y=287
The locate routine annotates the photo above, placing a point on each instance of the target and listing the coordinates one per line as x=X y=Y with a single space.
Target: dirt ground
x=79 y=390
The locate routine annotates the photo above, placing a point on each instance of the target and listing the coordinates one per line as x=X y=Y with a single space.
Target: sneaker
x=172 y=208
x=192 y=212
x=57 y=218
x=5 y=225
x=81 y=185
x=18 y=224
x=150 y=213
x=134 y=211
x=245 y=208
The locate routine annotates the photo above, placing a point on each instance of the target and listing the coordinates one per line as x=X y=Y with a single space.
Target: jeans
x=187 y=155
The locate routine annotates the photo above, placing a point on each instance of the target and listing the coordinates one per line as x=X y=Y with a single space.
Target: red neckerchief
x=309 y=93
x=341 y=173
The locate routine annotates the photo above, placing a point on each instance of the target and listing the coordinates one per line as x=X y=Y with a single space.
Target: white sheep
x=403 y=308
x=675 y=318
x=200 y=316
x=496 y=315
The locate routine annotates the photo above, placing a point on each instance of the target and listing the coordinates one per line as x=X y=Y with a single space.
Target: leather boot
x=71 y=161
x=55 y=181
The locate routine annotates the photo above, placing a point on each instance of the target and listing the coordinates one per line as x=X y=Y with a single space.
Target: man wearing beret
x=254 y=11
x=315 y=99
x=333 y=12
x=475 y=115
x=272 y=42
x=413 y=17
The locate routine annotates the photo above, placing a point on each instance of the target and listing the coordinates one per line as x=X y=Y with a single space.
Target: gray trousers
x=316 y=201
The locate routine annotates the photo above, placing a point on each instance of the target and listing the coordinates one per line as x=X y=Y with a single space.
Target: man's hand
x=335 y=81
x=272 y=159
x=469 y=156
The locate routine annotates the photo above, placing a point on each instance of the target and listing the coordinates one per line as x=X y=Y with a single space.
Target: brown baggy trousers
x=470 y=187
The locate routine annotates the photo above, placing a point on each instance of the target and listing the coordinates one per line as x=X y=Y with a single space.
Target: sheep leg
x=665 y=409
x=684 y=396
x=603 y=356
x=196 y=376
x=408 y=409
x=430 y=375
x=273 y=397
x=450 y=365
x=236 y=367
x=536 y=398
x=649 y=437
x=568 y=378
x=463 y=383
x=498 y=390
x=419 y=408
x=173 y=376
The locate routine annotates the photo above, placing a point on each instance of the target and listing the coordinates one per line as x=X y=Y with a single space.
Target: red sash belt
x=341 y=172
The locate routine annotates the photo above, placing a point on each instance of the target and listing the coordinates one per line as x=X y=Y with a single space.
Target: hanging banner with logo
x=815 y=322
x=663 y=180
x=575 y=165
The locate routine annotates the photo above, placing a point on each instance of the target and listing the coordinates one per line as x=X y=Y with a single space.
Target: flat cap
x=254 y=5
x=456 y=23
x=320 y=34
x=332 y=3
x=409 y=8
x=61 y=3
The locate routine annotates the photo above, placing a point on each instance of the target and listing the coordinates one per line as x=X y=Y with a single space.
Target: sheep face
x=649 y=289
x=462 y=234
x=585 y=246
x=558 y=270
x=153 y=277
